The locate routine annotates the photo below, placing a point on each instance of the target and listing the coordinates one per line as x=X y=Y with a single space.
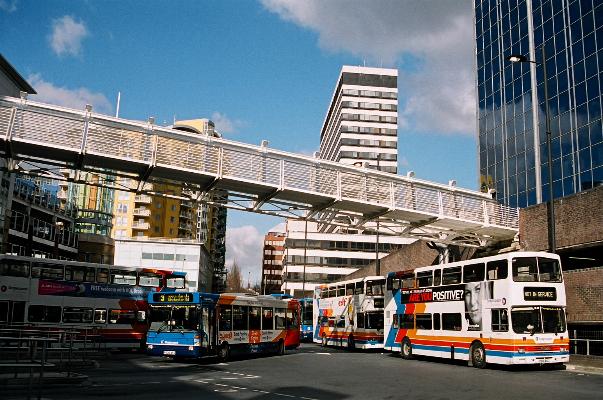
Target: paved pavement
x=315 y=373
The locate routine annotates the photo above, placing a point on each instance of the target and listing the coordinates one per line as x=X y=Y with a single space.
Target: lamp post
x=551 y=214
x=305 y=258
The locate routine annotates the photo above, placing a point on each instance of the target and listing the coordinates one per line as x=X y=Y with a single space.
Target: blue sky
x=261 y=69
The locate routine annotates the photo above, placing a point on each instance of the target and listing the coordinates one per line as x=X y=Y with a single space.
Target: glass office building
x=513 y=157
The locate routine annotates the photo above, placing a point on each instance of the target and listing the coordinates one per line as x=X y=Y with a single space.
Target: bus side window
x=395 y=321
x=340 y=290
x=331 y=322
x=407 y=321
x=497 y=270
x=102 y=275
x=341 y=322
x=14 y=268
x=359 y=288
x=424 y=321
x=500 y=320
x=225 y=315
x=473 y=273
x=424 y=278
x=279 y=318
x=239 y=318
x=267 y=318
x=349 y=289
x=451 y=321
x=332 y=292
x=452 y=275
x=100 y=316
x=436 y=322
x=360 y=320
x=437 y=277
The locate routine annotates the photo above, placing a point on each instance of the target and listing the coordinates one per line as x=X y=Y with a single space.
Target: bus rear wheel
x=478 y=355
x=224 y=352
x=406 y=350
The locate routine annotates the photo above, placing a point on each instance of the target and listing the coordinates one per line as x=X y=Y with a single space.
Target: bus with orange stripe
x=350 y=313
x=503 y=309
x=194 y=325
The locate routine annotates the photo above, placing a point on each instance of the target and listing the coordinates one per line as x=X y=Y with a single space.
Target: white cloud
x=73 y=98
x=281 y=227
x=225 y=124
x=67 y=35
x=430 y=40
x=244 y=245
x=8 y=5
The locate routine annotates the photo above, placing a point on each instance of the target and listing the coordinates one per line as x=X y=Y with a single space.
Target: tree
x=234 y=279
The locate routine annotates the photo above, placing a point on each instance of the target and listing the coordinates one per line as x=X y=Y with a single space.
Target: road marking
x=231 y=389
x=324 y=354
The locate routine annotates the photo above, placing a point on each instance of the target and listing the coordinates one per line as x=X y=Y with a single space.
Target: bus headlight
x=150 y=347
x=191 y=348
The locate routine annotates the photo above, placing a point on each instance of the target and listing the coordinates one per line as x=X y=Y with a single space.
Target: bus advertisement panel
x=193 y=325
x=350 y=313
x=505 y=309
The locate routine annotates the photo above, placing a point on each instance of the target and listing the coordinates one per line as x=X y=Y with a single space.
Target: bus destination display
x=172 y=297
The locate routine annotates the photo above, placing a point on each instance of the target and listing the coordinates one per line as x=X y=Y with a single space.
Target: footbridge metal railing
x=256 y=178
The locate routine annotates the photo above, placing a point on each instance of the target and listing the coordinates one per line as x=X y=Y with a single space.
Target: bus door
x=208 y=325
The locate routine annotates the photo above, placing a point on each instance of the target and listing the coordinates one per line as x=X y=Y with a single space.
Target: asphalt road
x=313 y=372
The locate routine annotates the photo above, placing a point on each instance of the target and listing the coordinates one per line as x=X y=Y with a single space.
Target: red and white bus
x=108 y=299
x=504 y=309
x=350 y=313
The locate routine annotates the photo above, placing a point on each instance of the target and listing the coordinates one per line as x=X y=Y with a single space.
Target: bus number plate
x=169 y=352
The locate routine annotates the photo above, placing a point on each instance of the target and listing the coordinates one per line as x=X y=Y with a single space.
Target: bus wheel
x=406 y=351
x=351 y=344
x=281 y=348
x=323 y=342
x=224 y=352
x=478 y=355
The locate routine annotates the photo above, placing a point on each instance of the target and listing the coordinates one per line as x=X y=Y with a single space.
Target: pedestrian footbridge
x=257 y=178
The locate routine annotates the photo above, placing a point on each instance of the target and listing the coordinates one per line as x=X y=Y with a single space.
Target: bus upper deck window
x=473 y=272
x=549 y=270
x=525 y=269
x=497 y=270
x=424 y=278
x=349 y=289
x=437 y=277
x=332 y=292
x=452 y=275
x=340 y=290
x=359 y=288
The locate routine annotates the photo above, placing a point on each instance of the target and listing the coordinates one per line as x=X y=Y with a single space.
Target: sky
x=260 y=69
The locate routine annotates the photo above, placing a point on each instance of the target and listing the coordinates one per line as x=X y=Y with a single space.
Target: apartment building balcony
x=142 y=212
x=185 y=215
x=143 y=226
x=185 y=227
x=143 y=198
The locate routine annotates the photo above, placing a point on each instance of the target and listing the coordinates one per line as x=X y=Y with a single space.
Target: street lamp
x=551 y=215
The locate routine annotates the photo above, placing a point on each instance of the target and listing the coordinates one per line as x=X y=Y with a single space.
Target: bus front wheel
x=406 y=351
x=478 y=355
x=224 y=352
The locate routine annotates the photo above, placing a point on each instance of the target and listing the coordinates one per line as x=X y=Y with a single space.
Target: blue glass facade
x=511 y=113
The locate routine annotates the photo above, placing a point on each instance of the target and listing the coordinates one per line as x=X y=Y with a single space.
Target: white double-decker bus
x=505 y=309
x=350 y=313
